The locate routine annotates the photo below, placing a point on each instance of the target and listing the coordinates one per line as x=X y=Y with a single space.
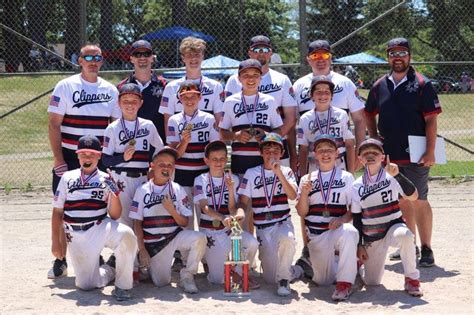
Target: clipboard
x=417 y=147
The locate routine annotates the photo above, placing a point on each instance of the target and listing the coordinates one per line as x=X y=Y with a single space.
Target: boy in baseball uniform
x=81 y=203
x=215 y=194
x=324 y=201
x=266 y=189
x=161 y=211
x=377 y=217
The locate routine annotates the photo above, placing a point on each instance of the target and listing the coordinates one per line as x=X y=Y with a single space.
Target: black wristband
x=407 y=186
x=357 y=222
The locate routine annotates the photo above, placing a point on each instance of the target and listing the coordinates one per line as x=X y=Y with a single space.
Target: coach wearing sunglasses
x=151 y=85
x=82 y=104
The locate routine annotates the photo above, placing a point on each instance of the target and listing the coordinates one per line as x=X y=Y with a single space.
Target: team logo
x=367 y=190
x=82 y=98
x=239 y=109
x=269 y=88
x=412 y=86
x=157 y=91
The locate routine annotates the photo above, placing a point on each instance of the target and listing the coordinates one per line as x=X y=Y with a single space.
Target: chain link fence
x=40 y=42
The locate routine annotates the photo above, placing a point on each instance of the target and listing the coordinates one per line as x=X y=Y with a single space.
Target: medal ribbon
x=325 y=196
x=128 y=134
x=267 y=197
x=168 y=184
x=367 y=179
x=255 y=103
x=186 y=122
x=318 y=122
x=84 y=179
x=214 y=203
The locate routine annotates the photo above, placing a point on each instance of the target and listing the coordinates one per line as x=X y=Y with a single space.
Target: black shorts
x=418 y=176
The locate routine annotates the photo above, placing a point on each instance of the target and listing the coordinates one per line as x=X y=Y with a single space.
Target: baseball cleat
x=412 y=287
x=188 y=285
x=342 y=292
x=427 y=258
x=284 y=288
x=121 y=294
x=59 y=269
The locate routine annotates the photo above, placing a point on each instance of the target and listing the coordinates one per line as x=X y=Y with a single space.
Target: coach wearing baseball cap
x=150 y=83
x=407 y=104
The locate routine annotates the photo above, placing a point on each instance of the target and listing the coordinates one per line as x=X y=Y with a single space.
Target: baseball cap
x=189 y=86
x=321 y=79
x=325 y=138
x=319 y=44
x=250 y=63
x=272 y=138
x=89 y=143
x=398 y=43
x=168 y=150
x=371 y=143
x=141 y=45
x=214 y=146
x=260 y=40
x=130 y=88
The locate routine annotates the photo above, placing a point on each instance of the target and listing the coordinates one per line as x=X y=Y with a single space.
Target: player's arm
x=371 y=123
x=166 y=117
x=289 y=122
x=302 y=204
x=181 y=146
x=54 y=134
x=57 y=249
x=115 y=207
x=359 y=126
x=431 y=127
x=178 y=217
x=143 y=256
x=289 y=188
x=351 y=156
x=303 y=160
x=243 y=207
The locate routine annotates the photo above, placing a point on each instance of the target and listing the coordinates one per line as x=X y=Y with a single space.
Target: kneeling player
x=215 y=194
x=377 y=216
x=324 y=199
x=268 y=187
x=161 y=210
x=80 y=207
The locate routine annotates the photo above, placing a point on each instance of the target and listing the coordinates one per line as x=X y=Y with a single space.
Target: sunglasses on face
x=140 y=54
x=261 y=50
x=320 y=56
x=90 y=58
x=398 y=53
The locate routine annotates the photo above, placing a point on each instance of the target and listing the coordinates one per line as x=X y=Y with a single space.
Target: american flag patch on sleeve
x=56 y=195
x=134 y=206
x=197 y=189
x=106 y=142
x=437 y=104
x=54 y=101
x=164 y=101
x=171 y=131
x=243 y=183
x=300 y=133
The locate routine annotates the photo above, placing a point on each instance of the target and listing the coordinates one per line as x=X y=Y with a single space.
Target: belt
x=133 y=174
x=264 y=226
x=83 y=227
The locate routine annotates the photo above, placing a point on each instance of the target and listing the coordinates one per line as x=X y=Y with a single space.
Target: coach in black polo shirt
x=407 y=104
x=150 y=83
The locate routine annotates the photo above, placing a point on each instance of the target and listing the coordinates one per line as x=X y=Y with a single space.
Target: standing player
x=247 y=116
x=160 y=210
x=151 y=85
x=189 y=132
x=324 y=119
x=324 y=200
x=277 y=85
x=127 y=144
x=378 y=218
x=81 y=203
x=215 y=195
x=192 y=53
x=81 y=104
x=267 y=188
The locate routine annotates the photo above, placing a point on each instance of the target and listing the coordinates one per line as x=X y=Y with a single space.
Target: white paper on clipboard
x=417 y=145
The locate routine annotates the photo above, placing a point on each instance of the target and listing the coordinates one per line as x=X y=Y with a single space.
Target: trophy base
x=238 y=288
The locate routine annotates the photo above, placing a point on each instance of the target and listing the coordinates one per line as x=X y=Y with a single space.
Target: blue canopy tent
x=214 y=62
x=176 y=33
x=360 y=58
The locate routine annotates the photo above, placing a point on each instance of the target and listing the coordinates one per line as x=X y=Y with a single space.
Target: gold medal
x=268 y=216
x=189 y=127
x=216 y=223
x=326 y=213
x=132 y=142
x=252 y=131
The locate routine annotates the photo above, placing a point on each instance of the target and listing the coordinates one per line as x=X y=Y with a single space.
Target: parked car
x=446 y=84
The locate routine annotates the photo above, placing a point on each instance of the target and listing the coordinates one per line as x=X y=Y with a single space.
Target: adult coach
x=151 y=85
x=82 y=104
x=275 y=84
x=407 y=104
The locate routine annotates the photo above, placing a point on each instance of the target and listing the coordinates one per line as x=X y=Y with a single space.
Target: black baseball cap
x=398 y=43
x=319 y=44
x=250 y=63
x=167 y=150
x=214 y=146
x=325 y=138
x=89 y=143
x=130 y=88
x=371 y=143
x=259 y=41
x=141 y=45
x=321 y=79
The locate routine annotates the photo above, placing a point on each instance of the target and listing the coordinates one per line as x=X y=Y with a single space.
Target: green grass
x=453 y=169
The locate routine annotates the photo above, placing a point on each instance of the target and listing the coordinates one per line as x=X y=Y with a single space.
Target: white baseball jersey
x=116 y=140
x=212 y=97
x=338 y=200
x=378 y=203
x=202 y=191
x=253 y=186
x=83 y=197
x=86 y=107
x=345 y=93
x=308 y=128
x=147 y=206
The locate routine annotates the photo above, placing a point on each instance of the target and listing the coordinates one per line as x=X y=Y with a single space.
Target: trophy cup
x=233 y=286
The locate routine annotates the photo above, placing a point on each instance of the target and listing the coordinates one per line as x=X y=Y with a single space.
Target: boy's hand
x=243 y=136
x=186 y=135
x=306 y=187
x=391 y=168
x=144 y=258
x=362 y=253
x=128 y=153
x=229 y=182
x=168 y=203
